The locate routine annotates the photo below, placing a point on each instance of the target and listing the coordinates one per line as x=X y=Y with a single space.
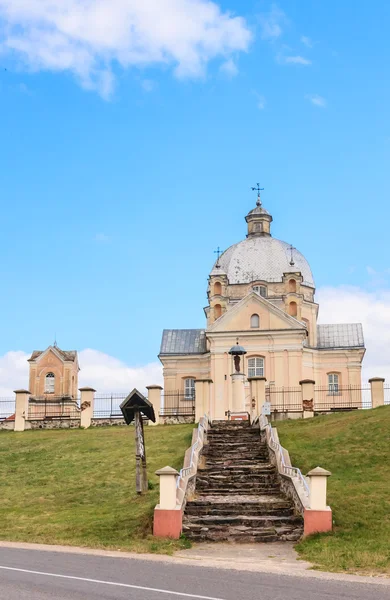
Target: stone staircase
x=237 y=495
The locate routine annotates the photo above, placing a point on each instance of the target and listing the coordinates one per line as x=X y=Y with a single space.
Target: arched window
x=189 y=388
x=217 y=311
x=217 y=288
x=255 y=321
x=293 y=309
x=50 y=383
x=333 y=383
x=256 y=367
x=261 y=290
x=292 y=285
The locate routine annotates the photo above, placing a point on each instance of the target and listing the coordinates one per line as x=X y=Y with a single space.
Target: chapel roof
x=342 y=335
x=183 y=341
x=70 y=355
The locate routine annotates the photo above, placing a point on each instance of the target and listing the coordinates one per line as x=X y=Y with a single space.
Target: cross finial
x=291 y=248
x=258 y=189
x=218 y=252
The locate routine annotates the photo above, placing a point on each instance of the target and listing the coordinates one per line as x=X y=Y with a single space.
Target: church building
x=261 y=296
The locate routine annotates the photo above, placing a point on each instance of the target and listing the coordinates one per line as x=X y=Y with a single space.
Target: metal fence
x=387 y=393
x=106 y=406
x=56 y=408
x=7 y=409
x=284 y=399
x=178 y=404
x=341 y=398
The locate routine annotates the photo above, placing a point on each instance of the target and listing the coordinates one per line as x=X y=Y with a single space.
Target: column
x=238 y=392
x=21 y=409
x=377 y=391
x=86 y=406
x=154 y=396
x=318 y=518
x=199 y=399
x=257 y=394
x=307 y=387
x=168 y=516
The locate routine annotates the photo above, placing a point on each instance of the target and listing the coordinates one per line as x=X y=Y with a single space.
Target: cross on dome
x=258 y=189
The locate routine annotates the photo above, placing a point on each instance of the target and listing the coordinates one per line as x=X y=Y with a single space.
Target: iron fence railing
x=339 y=398
x=283 y=399
x=178 y=404
x=55 y=407
x=7 y=409
x=387 y=393
x=107 y=406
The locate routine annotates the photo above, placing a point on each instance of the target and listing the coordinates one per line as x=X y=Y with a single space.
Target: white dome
x=262 y=258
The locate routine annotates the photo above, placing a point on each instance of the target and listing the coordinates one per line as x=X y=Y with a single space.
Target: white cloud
x=354 y=305
x=103 y=372
x=261 y=101
x=229 y=68
x=316 y=100
x=90 y=37
x=306 y=41
x=293 y=60
x=271 y=23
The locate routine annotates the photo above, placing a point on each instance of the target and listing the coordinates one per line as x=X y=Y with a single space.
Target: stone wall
x=53 y=424
x=7 y=425
x=176 y=420
x=107 y=422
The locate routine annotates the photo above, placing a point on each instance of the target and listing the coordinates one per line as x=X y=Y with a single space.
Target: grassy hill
x=355 y=447
x=77 y=487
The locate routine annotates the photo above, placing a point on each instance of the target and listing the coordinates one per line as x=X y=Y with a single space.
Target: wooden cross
x=291 y=248
x=218 y=252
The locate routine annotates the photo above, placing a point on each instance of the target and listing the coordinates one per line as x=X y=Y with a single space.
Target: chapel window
x=255 y=321
x=256 y=367
x=49 y=383
x=217 y=311
x=293 y=309
x=292 y=285
x=333 y=383
x=189 y=388
x=217 y=288
x=261 y=290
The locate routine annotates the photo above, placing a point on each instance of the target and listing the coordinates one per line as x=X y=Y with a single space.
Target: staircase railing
x=298 y=479
x=187 y=472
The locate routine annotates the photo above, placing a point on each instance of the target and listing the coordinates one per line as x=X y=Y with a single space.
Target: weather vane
x=257 y=189
x=291 y=248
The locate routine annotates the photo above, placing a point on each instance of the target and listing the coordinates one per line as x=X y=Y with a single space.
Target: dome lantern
x=258 y=219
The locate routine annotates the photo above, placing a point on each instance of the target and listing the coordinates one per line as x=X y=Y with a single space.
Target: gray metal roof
x=344 y=335
x=262 y=258
x=183 y=341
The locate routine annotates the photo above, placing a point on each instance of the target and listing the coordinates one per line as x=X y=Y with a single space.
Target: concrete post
x=154 y=396
x=318 y=518
x=86 y=405
x=168 y=517
x=307 y=387
x=21 y=409
x=238 y=392
x=377 y=391
x=202 y=398
x=257 y=385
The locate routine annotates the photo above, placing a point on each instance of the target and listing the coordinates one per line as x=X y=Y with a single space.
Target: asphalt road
x=42 y=575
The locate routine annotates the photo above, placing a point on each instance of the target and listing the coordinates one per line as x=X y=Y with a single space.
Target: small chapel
x=261 y=299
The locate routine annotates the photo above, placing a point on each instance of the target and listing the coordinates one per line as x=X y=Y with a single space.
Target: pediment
x=238 y=317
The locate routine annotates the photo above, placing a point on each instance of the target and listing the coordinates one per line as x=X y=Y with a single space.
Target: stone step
x=241 y=534
x=231 y=509
x=238 y=469
x=255 y=521
x=241 y=491
x=236 y=480
x=235 y=461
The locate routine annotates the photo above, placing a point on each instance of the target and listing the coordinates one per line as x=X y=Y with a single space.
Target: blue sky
x=124 y=165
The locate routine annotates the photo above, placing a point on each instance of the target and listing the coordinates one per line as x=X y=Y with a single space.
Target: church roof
x=262 y=258
x=343 y=335
x=183 y=341
x=64 y=354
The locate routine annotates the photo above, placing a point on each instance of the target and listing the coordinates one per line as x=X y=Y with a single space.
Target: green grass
x=77 y=487
x=355 y=447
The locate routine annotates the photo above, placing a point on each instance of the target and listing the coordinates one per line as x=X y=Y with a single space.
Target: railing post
x=318 y=518
x=154 y=396
x=307 y=387
x=168 y=517
x=86 y=406
x=377 y=391
x=21 y=409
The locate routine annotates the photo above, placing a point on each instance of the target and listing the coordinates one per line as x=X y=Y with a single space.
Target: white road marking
x=125 y=585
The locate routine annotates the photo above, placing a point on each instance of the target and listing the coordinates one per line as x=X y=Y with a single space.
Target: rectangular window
x=260 y=289
x=189 y=388
x=256 y=367
x=333 y=383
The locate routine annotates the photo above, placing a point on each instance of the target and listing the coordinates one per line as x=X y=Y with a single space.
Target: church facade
x=261 y=295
